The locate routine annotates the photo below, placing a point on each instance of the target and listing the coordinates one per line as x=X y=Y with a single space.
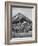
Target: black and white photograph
x=21 y=22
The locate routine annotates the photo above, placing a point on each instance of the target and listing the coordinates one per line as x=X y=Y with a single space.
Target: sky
x=25 y=11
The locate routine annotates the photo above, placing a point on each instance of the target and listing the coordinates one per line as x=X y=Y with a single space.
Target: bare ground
x=24 y=34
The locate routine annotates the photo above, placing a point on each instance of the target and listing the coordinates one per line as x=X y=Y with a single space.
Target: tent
x=20 y=17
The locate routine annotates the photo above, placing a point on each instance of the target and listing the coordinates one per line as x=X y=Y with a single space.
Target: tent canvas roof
x=20 y=17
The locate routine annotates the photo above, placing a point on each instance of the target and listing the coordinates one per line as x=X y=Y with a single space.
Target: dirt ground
x=24 y=34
